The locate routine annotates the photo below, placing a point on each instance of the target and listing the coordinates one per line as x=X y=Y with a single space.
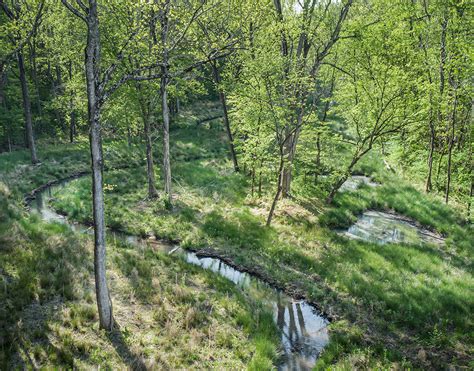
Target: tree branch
x=74 y=10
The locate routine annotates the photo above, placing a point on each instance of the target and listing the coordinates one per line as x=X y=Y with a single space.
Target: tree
x=99 y=89
x=17 y=16
x=174 y=44
x=376 y=92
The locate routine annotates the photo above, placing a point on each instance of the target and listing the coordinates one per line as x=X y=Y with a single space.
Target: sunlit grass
x=393 y=303
x=170 y=314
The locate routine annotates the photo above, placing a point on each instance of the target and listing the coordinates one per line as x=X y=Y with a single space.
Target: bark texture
x=223 y=100
x=27 y=109
x=92 y=61
x=164 y=101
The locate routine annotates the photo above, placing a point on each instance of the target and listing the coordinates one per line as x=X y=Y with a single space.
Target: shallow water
x=382 y=228
x=303 y=330
x=355 y=181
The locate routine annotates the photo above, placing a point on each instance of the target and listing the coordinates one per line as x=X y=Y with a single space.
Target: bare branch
x=135 y=75
x=111 y=69
x=195 y=15
x=36 y=23
x=335 y=34
x=74 y=10
x=82 y=6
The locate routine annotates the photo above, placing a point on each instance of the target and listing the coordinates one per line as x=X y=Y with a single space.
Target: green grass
x=170 y=314
x=394 y=305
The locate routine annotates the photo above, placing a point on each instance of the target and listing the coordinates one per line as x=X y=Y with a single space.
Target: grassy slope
x=405 y=301
x=410 y=304
x=170 y=314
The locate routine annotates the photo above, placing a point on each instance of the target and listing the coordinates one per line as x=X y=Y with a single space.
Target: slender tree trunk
x=166 y=134
x=164 y=101
x=450 y=147
x=150 y=169
x=222 y=97
x=55 y=90
x=72 y=121
x=438 y=172
x=34 y=75
x=346 y=175
x=92 y=61
x=469 y=202
x=27 y=109
x=290 y=153
x=253 y=180
x=72 y=111
x=335 y=188
x=323 y=119
x=3 y=101
x=429 y=185
x=278 y=191
x=9 y=141
x=145 y=106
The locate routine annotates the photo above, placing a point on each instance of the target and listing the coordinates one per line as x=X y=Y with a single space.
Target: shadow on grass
x=116 y=338
x=208 y=182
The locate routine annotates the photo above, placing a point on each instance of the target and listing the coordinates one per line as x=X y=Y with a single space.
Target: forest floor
x=170 y=315
x=393 y=305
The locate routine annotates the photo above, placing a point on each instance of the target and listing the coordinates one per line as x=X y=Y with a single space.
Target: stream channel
x=302 y=329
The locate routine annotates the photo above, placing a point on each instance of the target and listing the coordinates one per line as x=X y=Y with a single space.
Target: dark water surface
x=303 y=330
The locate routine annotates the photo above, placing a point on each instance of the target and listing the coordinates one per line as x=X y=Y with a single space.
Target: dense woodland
x=231 y=128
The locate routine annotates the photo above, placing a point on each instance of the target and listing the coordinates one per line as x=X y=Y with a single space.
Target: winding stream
x=303 y=330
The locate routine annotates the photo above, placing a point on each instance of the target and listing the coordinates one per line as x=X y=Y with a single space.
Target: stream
x=381 y=227
x=302 y=329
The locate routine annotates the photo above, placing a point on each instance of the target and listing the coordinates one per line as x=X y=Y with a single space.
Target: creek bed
x=302 y=329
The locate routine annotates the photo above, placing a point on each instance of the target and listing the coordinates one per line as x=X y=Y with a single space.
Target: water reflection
x=355 y=181
x=380 y=227
x=303 y=331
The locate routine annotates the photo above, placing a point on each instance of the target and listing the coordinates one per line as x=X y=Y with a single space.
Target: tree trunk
x=55 y=91
x=335 y=188
x=278 y=192
x=72 y=111
x=346 y=175
x=92 y=61
x=222 y=97
x=469 y=202
x=34 y=75
x=438 y=172
x=72 y=121
x=166 y=134
x=286 y=176
x=27 y=109
x=150 y=169
x=450 y=147
x=164 y=101
x=146 y=109
x=429 y=185
x=290 y=152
